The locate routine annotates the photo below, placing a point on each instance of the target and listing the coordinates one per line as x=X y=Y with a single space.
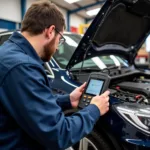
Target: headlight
x=137 y=114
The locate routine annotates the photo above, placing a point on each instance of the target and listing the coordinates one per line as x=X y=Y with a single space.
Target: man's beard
x=49 y=50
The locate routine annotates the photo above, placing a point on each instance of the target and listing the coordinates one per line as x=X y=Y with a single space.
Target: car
x=109 y=48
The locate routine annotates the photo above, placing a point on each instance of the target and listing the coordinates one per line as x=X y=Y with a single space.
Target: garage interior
x=78 y=15
x=131 y=86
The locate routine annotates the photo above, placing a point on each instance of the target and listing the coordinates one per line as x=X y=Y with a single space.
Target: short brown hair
x=41 y=15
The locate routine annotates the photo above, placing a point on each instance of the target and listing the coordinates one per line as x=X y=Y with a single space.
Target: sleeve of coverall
x=34 y=107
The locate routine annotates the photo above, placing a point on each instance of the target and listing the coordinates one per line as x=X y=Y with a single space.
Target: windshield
x=65 y=51
x=63 y=55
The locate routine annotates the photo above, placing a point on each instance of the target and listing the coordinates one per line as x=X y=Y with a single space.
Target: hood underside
x=119 y=28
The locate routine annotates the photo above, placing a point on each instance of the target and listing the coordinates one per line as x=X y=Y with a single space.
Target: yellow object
x=83 y=28
x=141 y=77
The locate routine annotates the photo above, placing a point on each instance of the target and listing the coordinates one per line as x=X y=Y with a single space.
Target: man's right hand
x=102 y=102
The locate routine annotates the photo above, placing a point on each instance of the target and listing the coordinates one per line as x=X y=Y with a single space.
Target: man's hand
x=102 y=102
x=76 y=94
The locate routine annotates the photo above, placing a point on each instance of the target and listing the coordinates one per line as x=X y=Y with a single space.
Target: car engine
x=135 y=90
x=130 y=86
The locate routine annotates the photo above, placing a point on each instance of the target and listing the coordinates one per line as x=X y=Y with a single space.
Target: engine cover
x=140 y=88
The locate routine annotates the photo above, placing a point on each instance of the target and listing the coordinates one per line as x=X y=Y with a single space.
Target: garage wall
x=64 y=12
x=76 y=20
x=28 y=3
x=12 y=19
x=10 y=10
x=10 y=14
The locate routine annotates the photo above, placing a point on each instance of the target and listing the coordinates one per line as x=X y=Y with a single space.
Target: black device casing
x=86 y=98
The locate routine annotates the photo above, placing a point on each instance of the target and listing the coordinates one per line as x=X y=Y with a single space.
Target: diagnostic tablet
x=96 y=85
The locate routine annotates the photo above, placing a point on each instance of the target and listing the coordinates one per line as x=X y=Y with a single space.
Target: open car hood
x=119 y=28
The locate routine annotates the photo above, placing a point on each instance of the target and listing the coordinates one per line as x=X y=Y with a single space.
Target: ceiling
x=82 y=5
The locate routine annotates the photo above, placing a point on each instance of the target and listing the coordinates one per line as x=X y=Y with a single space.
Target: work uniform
x=31 y=117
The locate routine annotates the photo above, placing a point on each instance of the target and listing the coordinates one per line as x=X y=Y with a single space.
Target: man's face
x=51 y=47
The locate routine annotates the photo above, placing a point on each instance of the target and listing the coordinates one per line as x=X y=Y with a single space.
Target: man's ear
x=50 y=32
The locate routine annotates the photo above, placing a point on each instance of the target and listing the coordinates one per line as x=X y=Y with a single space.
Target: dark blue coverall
x=31 y=117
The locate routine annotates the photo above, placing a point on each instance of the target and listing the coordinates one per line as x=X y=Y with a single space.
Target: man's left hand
x=76 y=94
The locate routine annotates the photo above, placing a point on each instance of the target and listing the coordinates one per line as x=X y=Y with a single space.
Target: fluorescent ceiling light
x=71 y=1
x=93 y=12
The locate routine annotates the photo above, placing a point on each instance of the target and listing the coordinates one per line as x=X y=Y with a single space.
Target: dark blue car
x=109 y=46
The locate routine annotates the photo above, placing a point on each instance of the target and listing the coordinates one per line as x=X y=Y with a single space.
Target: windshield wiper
x=98 y=69
x=108 y=69
x=86 y=69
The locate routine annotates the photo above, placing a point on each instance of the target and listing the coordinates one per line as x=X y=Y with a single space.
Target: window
x=101 y=62
x=65 y=51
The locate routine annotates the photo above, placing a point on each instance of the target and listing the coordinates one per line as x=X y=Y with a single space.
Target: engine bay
x=134 y=88
x=131 y=87
x=132 y=92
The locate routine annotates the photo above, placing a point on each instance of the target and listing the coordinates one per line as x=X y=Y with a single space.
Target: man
x=31 y=116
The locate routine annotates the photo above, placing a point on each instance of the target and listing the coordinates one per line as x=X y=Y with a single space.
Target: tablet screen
x=95 y=87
